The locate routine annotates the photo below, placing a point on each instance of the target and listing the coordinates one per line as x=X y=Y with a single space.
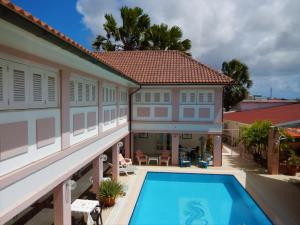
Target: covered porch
x=188 y=146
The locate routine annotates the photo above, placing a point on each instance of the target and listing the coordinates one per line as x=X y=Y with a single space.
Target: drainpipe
x=130 y=116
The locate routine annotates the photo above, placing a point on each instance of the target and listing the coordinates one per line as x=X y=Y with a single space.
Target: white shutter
x=3 y=85
x=94 y=94
x=51 y=96
x=80 y=92
x=37 y=92
x=72 y=92
x=87 y=93
x=18 y=97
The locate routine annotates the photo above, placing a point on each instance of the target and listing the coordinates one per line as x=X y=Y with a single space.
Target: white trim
x=152 y=116
x=175 y=127
x=196 y=115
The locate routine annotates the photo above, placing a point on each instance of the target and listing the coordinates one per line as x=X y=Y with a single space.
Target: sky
x=263 y=34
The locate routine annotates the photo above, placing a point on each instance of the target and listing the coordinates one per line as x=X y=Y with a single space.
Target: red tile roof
x=277 y=115
x=151 y=67
x=294 y=132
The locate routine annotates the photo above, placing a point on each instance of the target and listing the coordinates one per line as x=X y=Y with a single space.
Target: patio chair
x=141 y=157
x=184 y=161
x=124 y=169
x=164 y=157
x=124 y=161
x=96 y=214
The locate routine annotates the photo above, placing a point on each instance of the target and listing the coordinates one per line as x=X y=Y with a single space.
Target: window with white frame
x=138 y=97
x=196 y=97
x=148 y=97
x=123 y=96
x=156 y=97
x=153 y=97
x=24 y=86
x=167 y=98
x=82 y=91
x=109 y=95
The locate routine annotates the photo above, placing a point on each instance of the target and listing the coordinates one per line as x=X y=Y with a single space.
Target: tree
x=136 y=33
x=238 y=91
x=255 y=138
x=161 y=37
x=126 y=37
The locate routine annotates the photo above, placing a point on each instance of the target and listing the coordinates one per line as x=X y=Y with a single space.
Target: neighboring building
x=295 y=134
x=281 y=116
x=263 y=103
x=62 y=107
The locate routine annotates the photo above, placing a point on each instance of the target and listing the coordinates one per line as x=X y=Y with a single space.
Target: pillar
x=164 y=141
x=132 y=145
x=100 y=107
x=217 y=150
x=126 y=146
x=115 y=162
x=273 y=151
x=97 y=173
x=117 y=105
x=175 y=104
x=175 y=149
x=62 y=204
x=65 y=108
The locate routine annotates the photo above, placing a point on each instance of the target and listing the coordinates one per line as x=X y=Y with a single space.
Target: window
x=87 y=92
x=166 y=97
x=93 y=93
x=3 y=85
x=209 y=97
x=109 y=95
x=156 y=97
x=201 y=97
x=72 y=91
x=80 y=90
x=192 y=98
x=147 y=97
x=183 y=98
x=37 y=87
x=138 y=97
x=51 y=89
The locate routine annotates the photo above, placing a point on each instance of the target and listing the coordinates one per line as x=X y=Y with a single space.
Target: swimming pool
x=204 y=199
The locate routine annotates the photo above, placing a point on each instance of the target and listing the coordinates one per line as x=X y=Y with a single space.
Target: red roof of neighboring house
x=277 y=115
x=294 y=132
x=145 y=67
x=162 y=67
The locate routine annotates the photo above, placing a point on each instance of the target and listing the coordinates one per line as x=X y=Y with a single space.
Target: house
x=262 y=103
x=62 y=107
x=281 y=116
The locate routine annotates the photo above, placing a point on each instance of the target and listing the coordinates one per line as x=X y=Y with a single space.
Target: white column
x=175 y=149
x=115 y=162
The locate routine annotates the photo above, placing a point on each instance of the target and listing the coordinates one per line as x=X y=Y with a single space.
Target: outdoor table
x=153 y=158
x=84 y=207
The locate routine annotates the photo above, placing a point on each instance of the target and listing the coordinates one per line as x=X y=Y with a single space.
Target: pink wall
x=161 y=112
x=13 y=139
x=78 y=123
x=45 y=132
x=143 y=112
x=218 y=105
x=204 y=113
x=91 y=120
x=189 y=112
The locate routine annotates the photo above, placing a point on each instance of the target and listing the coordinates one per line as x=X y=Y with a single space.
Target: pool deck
x=277 y=195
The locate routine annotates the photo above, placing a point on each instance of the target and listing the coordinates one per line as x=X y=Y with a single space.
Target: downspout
x=130 y=117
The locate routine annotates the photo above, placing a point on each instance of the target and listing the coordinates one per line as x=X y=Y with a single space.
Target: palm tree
x=137 y=34
x=238 y=91
x=126 y=37
x=164 y=38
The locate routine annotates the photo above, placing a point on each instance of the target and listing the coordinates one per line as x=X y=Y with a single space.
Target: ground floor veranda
x=278 y=195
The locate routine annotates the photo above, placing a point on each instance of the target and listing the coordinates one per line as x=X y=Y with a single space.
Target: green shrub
x=109 y=189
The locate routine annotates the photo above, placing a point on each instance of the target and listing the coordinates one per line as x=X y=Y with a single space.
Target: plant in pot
x=293 y=162
x=108 y=191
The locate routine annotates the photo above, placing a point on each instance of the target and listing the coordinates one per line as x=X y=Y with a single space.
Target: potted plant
x=108 y=191
x=293 y=162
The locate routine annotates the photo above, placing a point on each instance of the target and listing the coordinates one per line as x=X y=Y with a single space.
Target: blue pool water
x=190 y=199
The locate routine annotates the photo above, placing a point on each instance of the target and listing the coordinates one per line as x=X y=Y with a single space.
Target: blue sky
x=265 y=36
x=62 y=15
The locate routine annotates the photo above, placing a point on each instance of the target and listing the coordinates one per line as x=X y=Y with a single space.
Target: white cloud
x=263 y=34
